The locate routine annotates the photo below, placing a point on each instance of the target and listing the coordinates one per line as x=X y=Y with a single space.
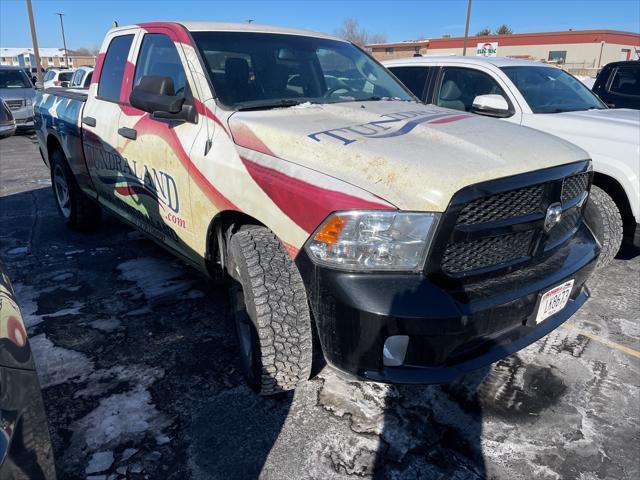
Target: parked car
x=618 y=84
x=25 y=446
x=546 y=98
x=18 y=93
x=423 y=242
x=7 y=122
x=56 y=77
x=81 y=77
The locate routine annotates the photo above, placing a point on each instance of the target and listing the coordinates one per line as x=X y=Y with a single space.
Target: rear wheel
x=75 y=207
x=604 y=219
x=271 y=312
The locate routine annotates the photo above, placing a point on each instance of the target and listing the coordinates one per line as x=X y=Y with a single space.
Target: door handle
x=89 y=121
x=129 y=133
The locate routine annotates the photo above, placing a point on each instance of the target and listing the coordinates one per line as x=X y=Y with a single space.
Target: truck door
x=158 y=149
x=100 y=122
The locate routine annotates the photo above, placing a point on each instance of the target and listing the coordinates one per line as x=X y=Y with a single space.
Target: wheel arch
x=53 y=144
x=220 y=229
x=615 y=190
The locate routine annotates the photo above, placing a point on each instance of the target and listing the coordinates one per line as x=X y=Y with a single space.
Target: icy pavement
x=138 y=363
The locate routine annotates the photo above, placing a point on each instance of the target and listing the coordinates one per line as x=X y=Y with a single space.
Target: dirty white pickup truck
x=418 y=242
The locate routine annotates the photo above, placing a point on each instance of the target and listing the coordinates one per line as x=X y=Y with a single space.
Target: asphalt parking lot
x=137 y=360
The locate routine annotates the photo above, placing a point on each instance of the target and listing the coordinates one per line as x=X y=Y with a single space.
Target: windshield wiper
x=276 y=104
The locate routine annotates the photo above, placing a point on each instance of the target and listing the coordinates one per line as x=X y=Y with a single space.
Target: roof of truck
x=239 y=27
x=497 y=61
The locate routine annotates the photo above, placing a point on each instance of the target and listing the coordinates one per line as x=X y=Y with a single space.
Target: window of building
x=50 y=59
x=460 y=86
x=388 y=50
x=558 y=56
x=158 y=56
x=113 y=68
x=3 y=59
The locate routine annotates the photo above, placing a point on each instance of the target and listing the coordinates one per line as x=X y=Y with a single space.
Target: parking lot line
x=604 y=341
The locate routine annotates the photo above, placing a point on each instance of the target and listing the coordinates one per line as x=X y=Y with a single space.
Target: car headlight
x=373 y=240
x=28 y=101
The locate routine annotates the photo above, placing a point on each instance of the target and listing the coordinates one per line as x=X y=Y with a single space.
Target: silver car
x=18 y=93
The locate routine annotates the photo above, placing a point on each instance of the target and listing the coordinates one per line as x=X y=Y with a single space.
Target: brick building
x=575 y=50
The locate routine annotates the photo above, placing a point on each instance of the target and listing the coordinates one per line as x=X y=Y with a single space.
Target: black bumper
x=451 y=331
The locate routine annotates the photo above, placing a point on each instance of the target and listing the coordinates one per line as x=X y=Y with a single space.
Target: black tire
x=78 y=210
x=604 y=220
x=271 y=312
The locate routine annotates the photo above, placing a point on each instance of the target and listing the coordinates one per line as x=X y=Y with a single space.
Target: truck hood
x=607 y=125
x=17 y=93
x=412 y=155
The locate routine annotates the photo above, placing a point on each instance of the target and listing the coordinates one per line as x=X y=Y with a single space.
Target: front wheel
x=271 y=312
x=604 y=220
x=76 y=208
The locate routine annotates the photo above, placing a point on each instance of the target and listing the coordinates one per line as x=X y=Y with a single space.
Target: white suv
x=57 y=78
x=543 y=97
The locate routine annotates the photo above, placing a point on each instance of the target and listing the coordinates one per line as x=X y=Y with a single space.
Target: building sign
x=487 y=49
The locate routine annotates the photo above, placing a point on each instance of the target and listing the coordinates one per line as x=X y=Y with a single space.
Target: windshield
x=551 y=90
x=14 y=79
x=262 y=70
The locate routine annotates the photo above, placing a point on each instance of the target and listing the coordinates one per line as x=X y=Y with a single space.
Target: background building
x=579 y=51
x=49 y=57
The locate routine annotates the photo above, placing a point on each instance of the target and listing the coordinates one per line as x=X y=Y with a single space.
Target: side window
x=414 y=78
x=113 y=68
x=158 y=56
x=459 y=86
x=76 y=78
x=626 y=81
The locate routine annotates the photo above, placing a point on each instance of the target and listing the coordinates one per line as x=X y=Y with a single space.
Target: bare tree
x=504 y=30
x=83 y=52
x=484 y=32
x=350 y=30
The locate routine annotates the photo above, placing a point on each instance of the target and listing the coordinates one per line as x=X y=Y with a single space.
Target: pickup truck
x=417 y=242
x=546 y=98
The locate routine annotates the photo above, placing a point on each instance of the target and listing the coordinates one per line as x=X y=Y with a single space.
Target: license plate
x=554 y=300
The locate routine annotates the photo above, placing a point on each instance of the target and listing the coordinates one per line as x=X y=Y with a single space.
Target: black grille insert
x=574 y=186
x=486 y=252
x=501 y=206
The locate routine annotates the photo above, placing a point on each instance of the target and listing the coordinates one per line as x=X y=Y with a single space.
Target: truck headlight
x=373 y=240
x=28 y=101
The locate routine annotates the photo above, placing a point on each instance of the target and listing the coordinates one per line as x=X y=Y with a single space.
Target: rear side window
x=113 y=68
x=50 y=74
x=65 y=76
x=158 y=56
x=626 y=81
x=414 y=78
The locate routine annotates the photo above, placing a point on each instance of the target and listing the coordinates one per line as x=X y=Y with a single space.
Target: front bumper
x=450 y=331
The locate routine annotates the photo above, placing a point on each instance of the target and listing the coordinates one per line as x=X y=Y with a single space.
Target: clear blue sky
x=87 y=21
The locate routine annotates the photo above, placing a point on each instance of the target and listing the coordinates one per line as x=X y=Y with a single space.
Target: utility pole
x=64 y=42
x=34 y=39
x=466 y=29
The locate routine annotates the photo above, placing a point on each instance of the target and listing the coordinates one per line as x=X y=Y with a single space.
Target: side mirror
x=64 y=84
x=155 y=94
x=491 y=106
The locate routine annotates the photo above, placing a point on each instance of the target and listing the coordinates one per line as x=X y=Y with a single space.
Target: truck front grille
x=503 y=205
x=499 y=224
x=487 y=251
x=14 y=104
x=574 y=185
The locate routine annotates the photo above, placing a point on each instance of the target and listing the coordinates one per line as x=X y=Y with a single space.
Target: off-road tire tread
x=85 y=213
x=276 y=300
x=603 y=216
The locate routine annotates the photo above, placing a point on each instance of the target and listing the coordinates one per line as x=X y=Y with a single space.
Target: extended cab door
x=100 y=117
x=157 y=150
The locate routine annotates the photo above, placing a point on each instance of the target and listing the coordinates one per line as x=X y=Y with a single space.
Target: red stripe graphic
x=306 y=204
x=453 y=118
x=175 y=31
x=245 y=137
